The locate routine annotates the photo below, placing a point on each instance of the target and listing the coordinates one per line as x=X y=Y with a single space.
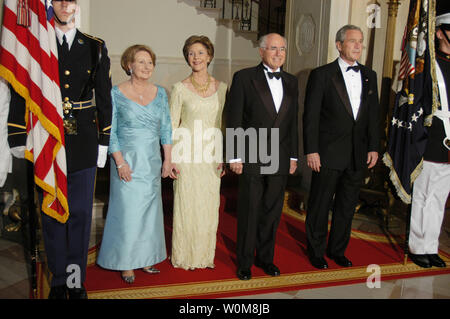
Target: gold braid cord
x=431 y=37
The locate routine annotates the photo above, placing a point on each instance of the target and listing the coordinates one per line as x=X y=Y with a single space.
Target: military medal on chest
x=69 y=121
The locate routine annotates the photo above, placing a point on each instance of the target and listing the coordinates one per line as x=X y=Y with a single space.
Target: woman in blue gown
x=133 y=236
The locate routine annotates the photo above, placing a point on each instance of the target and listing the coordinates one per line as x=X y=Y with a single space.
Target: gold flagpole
x=390 y=38
x=387 y=95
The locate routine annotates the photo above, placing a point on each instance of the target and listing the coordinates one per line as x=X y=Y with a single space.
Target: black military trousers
x=68 y=244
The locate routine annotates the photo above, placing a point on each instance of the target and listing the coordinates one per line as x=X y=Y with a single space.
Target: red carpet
x=290 y=256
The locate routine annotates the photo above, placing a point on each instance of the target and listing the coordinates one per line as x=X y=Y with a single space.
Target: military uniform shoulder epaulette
x=92 y=37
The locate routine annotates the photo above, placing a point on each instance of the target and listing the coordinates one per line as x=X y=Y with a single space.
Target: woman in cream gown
x=196 y=106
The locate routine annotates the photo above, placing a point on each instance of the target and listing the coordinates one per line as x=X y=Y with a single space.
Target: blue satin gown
x=133 y=236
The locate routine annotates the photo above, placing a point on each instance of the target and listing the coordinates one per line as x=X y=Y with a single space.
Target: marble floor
x=15 y=284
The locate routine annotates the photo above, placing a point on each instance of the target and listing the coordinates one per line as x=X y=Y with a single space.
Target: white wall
x=339 y=16
x=84 y=15
x=164 y=26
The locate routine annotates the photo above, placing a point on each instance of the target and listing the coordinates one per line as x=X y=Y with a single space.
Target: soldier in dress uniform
x=84 y=66
x=432 y=186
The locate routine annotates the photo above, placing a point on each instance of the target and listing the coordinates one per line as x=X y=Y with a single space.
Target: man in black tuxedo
x=261 y=112
x=84 y=67
x=341 y=139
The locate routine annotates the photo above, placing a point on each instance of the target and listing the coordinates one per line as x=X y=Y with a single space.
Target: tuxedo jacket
x=250 y=105
x=329 y=127
x=83 y=71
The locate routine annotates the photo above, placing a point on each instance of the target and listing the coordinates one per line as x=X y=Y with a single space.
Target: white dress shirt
x=70 y=36
x=353 y=84
x=275 y=86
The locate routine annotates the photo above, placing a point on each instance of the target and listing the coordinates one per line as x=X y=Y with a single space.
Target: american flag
x=29 y=62
x=414 y=99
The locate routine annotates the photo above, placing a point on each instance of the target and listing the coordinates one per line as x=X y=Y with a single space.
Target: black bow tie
x=271 y=75
x=354 y=68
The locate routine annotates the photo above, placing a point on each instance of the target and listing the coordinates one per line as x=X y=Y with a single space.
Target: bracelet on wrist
x=121 y=165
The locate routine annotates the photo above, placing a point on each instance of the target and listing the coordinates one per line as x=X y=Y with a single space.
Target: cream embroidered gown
x=197 y=151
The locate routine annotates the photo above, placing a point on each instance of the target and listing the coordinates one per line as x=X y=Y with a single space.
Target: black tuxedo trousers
x=260 y=204
x=344 y=186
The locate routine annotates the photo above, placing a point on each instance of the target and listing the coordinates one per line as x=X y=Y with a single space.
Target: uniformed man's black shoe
x=58 y=292
x=420 y=260
x=77 y=293
x=436 y=261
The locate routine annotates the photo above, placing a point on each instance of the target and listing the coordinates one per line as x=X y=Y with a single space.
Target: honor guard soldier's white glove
x=102 y=154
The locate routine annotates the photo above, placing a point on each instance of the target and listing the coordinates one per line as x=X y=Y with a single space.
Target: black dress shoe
x=58 y=292
x=420 y=260
x=269 y=269
x=77 y=293
x=244 y=274
x=318 y=262
x=341 y=261
x=436 y=261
